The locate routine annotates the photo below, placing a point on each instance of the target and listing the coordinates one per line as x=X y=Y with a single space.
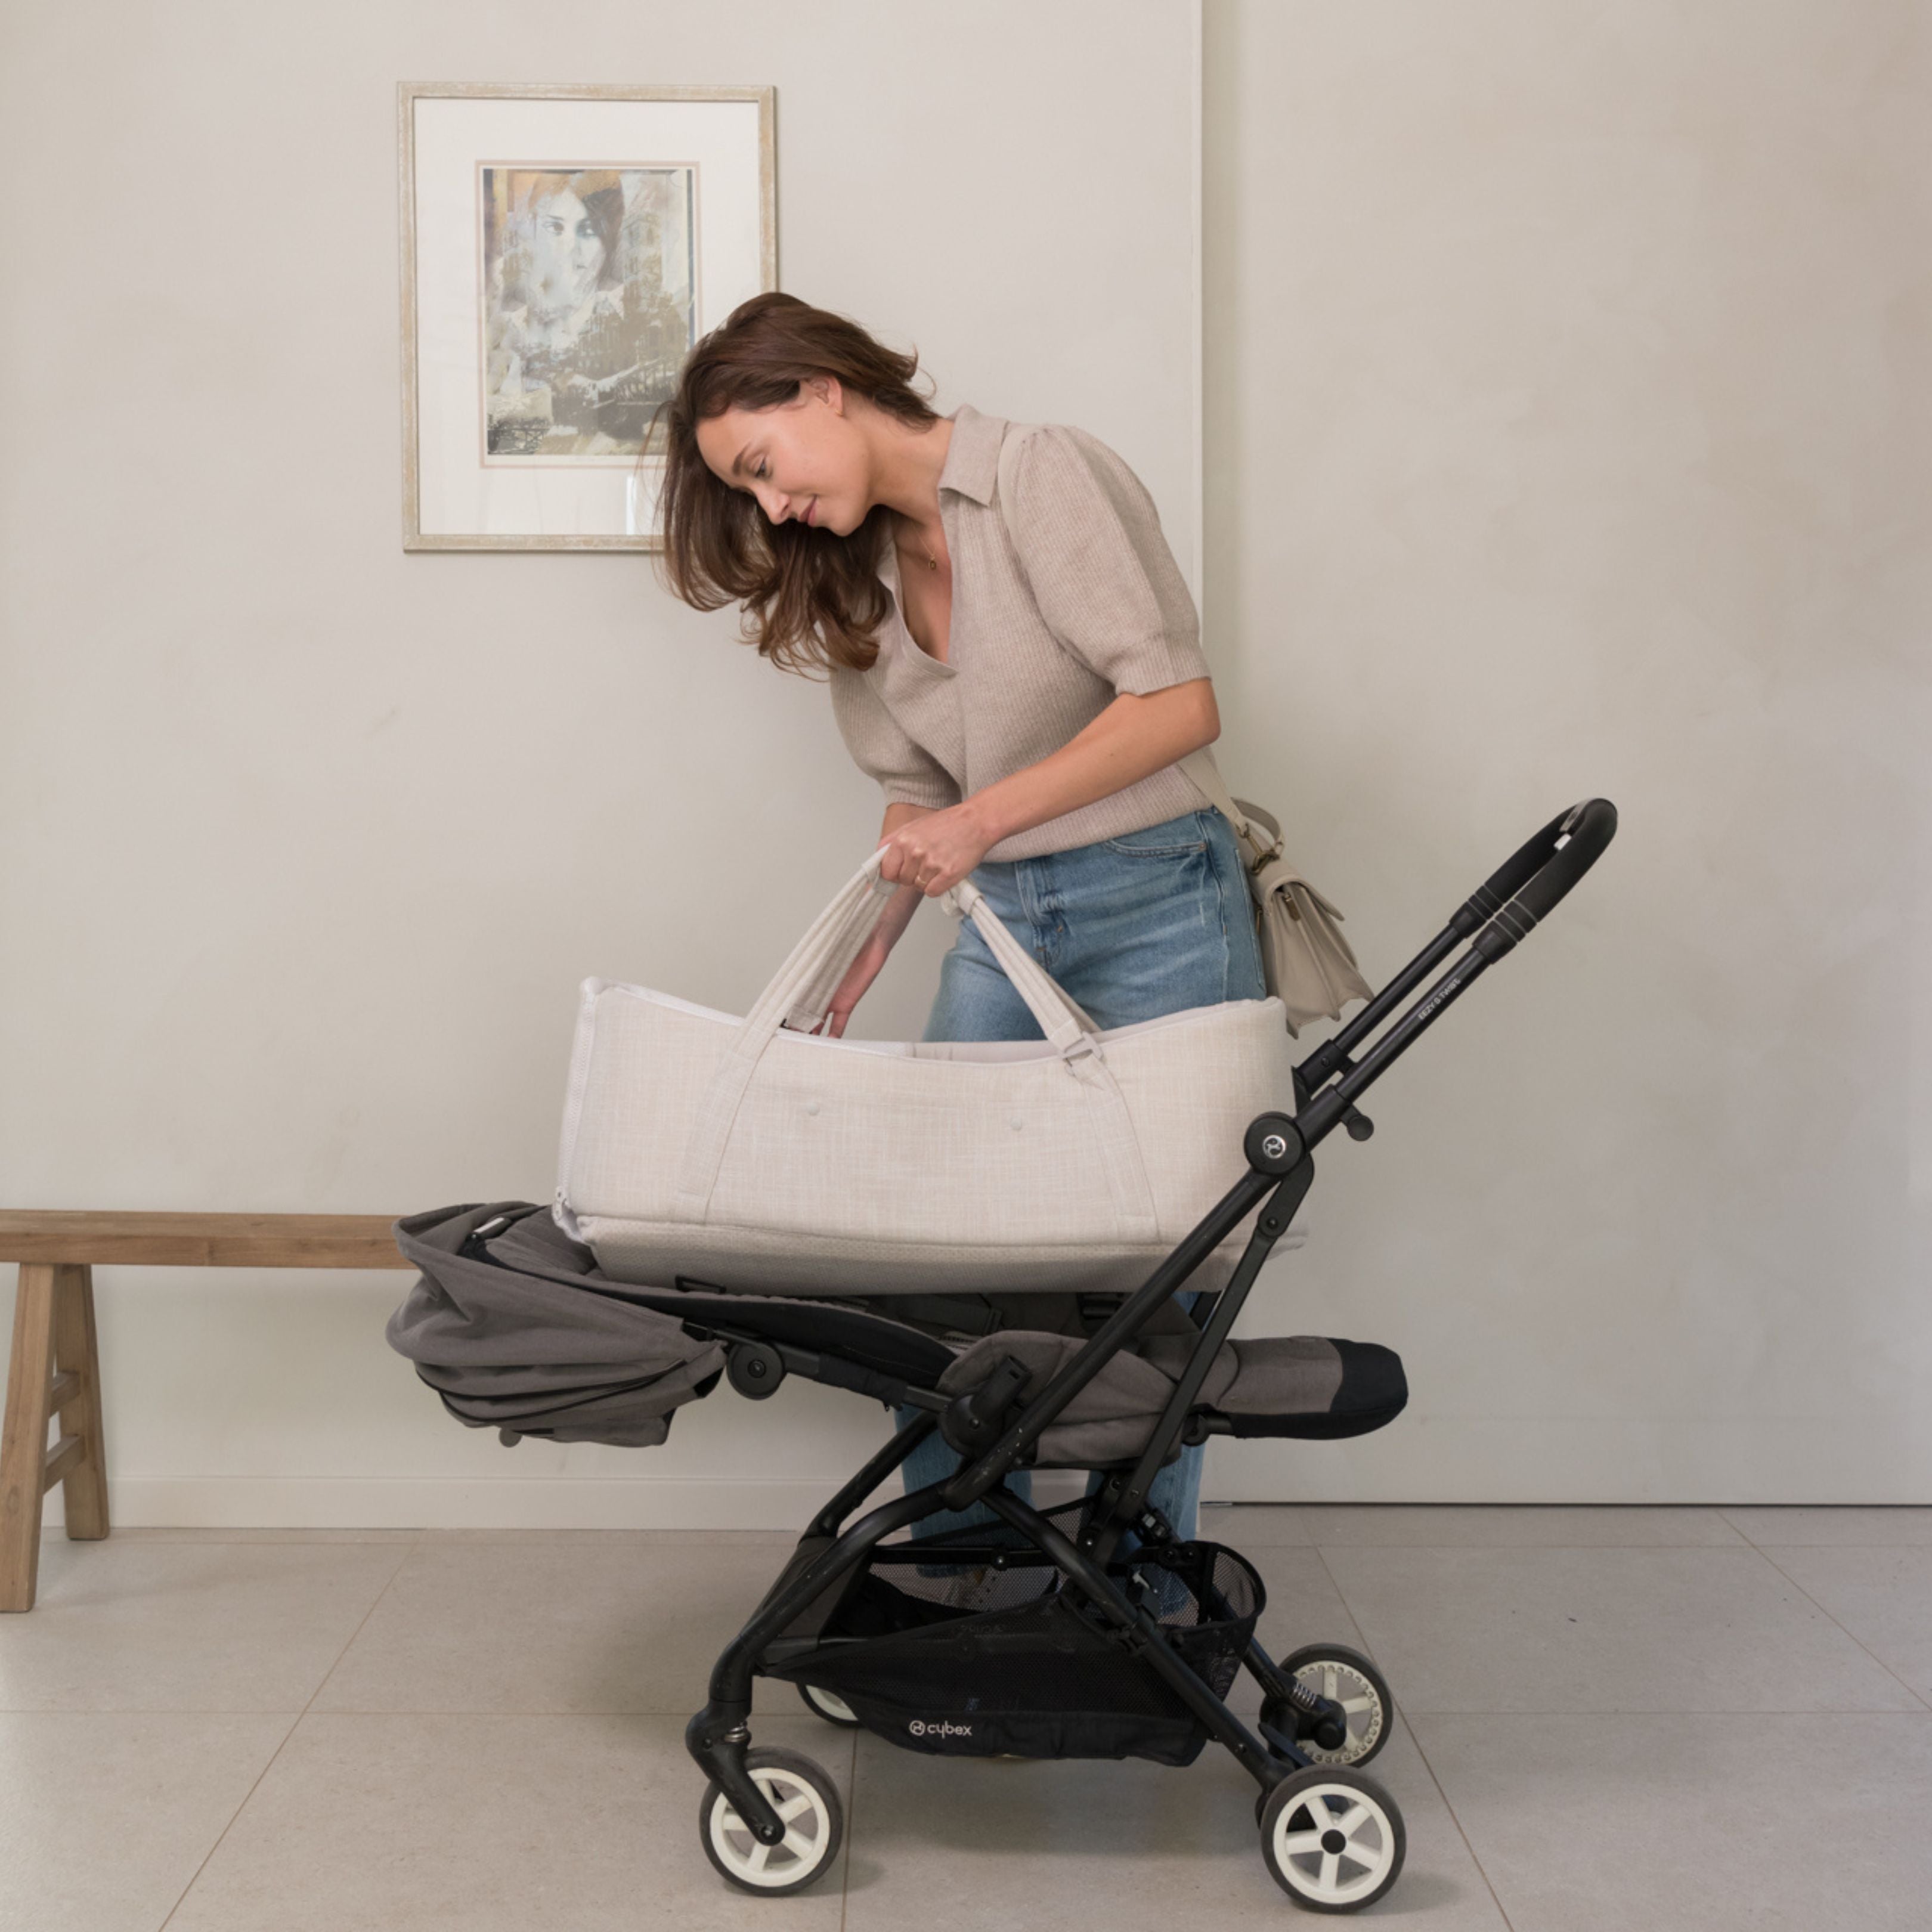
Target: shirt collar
x=973 y=457
x=971 y=467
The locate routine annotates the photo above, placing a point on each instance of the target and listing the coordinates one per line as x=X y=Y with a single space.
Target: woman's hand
x=926 y=852
x=864 y=969
x=937 y=849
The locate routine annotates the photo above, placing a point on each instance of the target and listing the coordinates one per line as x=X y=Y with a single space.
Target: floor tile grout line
x=1742 y=1544
x=1909 y=1690
x=1724 y=1515
x=1461 y=1832
x=1686 y=1509
x=1341 y=1596
x=1679 y=1711
x=1348 y=1609
x=221 y=1836
x=681 y=1714
x=1788 y=1544
x=409 y=1550
x=851 y=1815
x=522 y=1713
x=274 y=1757
x=1334 y=1584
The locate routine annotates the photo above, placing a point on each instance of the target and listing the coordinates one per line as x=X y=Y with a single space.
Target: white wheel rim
x=1342 y=1683
x=1315 y=1863
x=832 y=1704
x=808 y=1831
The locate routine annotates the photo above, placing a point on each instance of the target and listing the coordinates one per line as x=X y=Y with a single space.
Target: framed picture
x=563 y=249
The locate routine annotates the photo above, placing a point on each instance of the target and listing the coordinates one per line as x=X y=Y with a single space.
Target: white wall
x=1566 y=377
x=1566 y=432
x=307 y=842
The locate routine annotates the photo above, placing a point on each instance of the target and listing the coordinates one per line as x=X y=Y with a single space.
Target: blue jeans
x=1153 y=923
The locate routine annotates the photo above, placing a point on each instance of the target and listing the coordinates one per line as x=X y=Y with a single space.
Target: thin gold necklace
x=932 y=562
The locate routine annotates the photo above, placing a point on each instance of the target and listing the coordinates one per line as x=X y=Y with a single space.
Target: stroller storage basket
x=964 y=1660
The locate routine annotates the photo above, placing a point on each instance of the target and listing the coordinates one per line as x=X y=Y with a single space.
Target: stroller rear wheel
x=804 y=1796
x=1344 y=1677
x=829 y=1705
x=1332 y=1838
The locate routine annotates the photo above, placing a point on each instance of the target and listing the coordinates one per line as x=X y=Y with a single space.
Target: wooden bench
x=54 y=1369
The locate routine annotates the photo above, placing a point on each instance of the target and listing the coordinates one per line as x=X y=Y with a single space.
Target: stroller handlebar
x=1495 y=918
x=1527 y=887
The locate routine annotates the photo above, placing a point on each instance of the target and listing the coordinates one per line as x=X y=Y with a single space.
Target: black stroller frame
x=994 y=1433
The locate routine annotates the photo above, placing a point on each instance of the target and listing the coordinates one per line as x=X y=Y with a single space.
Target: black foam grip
x=1521 y=891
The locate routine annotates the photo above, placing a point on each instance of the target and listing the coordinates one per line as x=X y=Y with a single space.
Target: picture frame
x=562 y=247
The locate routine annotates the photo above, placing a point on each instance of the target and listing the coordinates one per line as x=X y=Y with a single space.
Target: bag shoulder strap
x=1198 y=766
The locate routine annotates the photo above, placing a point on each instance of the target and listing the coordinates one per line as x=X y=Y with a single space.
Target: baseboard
x=694 y=1502
x=497 y=1502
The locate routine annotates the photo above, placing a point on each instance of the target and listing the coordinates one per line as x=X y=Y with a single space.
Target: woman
x=1019 y=679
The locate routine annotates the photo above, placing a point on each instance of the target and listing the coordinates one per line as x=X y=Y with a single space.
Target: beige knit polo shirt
x=1041 y=643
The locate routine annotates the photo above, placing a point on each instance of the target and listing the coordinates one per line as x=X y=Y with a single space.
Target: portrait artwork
x=565 y=247
x=589 y=306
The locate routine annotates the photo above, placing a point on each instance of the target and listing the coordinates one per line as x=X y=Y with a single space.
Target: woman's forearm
x=903 y=903
x=1132 y=738
x=928 y=852
x=902 y=814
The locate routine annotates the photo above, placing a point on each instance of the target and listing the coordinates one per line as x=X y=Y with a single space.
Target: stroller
x=1085 y=1630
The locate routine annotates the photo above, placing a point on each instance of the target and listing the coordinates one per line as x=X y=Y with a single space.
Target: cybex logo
x=921 y=1729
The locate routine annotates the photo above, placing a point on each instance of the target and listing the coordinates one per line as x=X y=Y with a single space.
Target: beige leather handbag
x=1308 y=965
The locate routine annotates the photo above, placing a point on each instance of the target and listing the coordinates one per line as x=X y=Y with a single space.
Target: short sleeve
x=907 y=772
x=1090 y=539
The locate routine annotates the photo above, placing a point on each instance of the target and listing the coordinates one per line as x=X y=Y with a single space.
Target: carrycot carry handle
x=796 y=996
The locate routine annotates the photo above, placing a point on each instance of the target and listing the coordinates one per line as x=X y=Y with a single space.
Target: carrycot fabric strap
x=1115 y=1144
x=837 y=933
x=815 y=964
x=1063 y=1023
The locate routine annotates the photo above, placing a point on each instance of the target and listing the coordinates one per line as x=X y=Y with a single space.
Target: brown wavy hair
x=812 y=598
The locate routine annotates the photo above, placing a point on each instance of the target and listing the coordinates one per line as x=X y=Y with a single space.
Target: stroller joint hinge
x=720 y=1753
x=715 y=1725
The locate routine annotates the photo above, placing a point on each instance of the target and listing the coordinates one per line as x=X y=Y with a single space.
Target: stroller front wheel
x=1334 y=1839
x=804 y=1797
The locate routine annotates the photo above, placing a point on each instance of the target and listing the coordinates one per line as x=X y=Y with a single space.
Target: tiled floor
x=1678 y=1719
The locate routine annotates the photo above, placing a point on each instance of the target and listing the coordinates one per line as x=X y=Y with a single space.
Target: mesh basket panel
x=972 y=1658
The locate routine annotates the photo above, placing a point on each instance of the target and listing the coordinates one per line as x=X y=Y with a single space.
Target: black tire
x=811 y=1694
x=1355 y=1680
x=1332 y=1839
x=786 y=1778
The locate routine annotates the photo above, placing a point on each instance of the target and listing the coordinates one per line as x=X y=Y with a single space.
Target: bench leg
x=54 y=1369
x=23 y=1437
x=77 y=1401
